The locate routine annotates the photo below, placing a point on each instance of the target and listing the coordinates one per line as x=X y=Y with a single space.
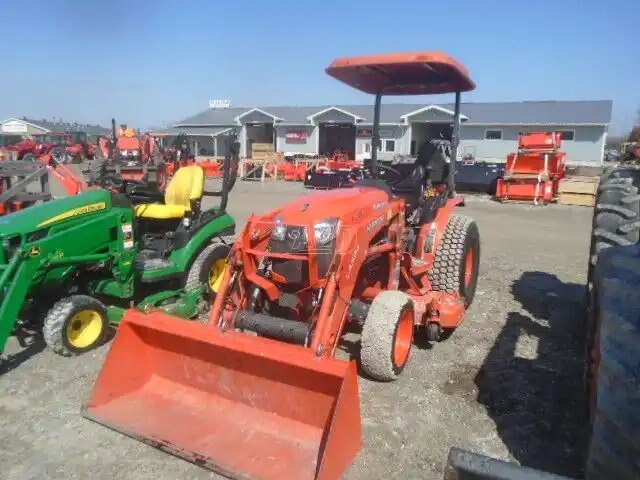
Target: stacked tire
x=613 y=330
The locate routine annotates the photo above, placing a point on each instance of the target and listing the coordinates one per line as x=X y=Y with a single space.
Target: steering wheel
x=114 y=183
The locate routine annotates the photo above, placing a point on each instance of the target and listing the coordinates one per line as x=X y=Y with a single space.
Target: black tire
x=97 y=170
x=616 y=221
x=203 y=265
x=615 y=224
x=614 y=449
x=58 y=322
x=379 y=333
x=450 y=273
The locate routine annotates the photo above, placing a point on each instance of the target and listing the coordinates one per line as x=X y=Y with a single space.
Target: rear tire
x=97 y=170
x=614 y=450
x=455 y=269
x=387 y=335
x=206 y=268
x=75 y=325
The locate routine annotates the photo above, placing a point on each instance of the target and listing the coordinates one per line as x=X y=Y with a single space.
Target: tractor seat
x=183 y=193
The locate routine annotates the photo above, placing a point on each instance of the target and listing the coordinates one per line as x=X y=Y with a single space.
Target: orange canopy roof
x=403 y=73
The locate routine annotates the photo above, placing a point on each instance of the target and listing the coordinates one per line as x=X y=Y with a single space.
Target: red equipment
x=132 y=157
x=535 y=170
x=258 y=392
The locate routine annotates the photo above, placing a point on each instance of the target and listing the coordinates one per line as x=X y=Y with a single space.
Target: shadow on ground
x=531 y=380
x=31 y=343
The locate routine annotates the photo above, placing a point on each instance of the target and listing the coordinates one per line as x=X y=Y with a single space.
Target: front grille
x=295 y=241
x=297 y=272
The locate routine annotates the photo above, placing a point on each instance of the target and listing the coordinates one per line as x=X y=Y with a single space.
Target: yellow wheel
x=208 y=269
x=75 y=324
x=84 y=328
x=215 y=274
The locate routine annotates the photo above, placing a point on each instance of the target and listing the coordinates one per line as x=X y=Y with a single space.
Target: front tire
x=457 y=257
x=75 y=325
x=387 y=335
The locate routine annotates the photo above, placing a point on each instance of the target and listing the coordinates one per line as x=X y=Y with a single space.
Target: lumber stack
x=8 y=155
x=578 y=190
x=264 y=152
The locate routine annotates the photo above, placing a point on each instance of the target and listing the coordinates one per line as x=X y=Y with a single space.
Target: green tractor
x=79 y=262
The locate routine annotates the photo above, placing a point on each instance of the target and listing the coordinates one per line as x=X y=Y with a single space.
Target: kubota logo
x=352 y=260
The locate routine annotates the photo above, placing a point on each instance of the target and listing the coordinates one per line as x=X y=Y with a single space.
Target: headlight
x=325 y=231
x=279 y=230
x=124 y=153
x=135 y=153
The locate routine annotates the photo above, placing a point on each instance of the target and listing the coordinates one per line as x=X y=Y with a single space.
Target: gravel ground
x=507 y=383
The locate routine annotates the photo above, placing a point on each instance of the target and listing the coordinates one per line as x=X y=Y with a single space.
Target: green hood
x=53 y=212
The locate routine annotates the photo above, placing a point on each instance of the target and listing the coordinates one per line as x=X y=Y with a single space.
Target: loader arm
x=15 y=283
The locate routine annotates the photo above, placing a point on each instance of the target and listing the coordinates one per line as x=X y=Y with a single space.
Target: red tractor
x=259 y=391
x=74 y=143
x=131 y=156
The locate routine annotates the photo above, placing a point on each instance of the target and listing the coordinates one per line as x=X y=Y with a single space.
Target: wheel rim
x=84 y=328
x=404 y=338
x=215 y=275
x=468 y=266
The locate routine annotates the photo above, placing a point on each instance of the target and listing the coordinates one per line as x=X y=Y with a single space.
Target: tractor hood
x=55 y=211
x=347 y=205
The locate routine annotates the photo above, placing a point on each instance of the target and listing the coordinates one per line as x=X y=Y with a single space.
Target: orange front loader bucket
x=243 y=406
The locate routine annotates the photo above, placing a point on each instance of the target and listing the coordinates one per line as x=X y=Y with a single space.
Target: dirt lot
x=507 y=383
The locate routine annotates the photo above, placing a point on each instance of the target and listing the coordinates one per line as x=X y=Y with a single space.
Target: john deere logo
x=34 y=252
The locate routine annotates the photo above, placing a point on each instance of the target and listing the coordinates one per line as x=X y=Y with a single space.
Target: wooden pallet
x=578 y=190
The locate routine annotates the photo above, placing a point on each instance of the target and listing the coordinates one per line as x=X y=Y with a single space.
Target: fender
x=182 y=258
x=440 y=224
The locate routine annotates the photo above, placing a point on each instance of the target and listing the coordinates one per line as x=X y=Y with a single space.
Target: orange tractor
x=131 y=156
x=260 y=391
x=533 y=173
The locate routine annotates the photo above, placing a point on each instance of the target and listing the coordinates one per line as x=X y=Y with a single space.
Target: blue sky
x=152 y=62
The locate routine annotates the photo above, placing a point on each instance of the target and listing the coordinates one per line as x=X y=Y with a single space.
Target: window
x=413 y=148
x=567 y=134
x=366 y=148
x=389 y=145
x=493 y=134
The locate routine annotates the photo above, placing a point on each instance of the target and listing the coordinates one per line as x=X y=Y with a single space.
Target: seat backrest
x=186 y=186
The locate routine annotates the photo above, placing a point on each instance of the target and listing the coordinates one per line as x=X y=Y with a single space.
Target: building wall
x=585 y=149
x=387 y=132
x=25 y=129
x=307 y=147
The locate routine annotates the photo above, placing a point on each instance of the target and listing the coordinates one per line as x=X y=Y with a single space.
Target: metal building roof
x=502 y=113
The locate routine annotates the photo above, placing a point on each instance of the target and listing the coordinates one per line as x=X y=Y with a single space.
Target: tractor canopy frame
x=416 y=73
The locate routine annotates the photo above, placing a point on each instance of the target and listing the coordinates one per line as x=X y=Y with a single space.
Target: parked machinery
x=79 y=262
x=534 y=171
x=74 y=143
x=335 y=172
x=259 y=392
x=131 y=156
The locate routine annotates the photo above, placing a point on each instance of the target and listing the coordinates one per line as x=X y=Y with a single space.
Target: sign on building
x=296 y=136
x=14 y=126
x=219 y=103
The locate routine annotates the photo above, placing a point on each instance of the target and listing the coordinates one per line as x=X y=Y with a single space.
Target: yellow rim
x=215 y=275
x=84 y=328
